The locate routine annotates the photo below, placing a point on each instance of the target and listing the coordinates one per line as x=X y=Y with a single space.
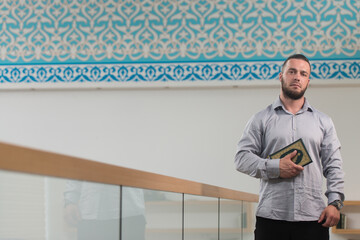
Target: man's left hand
x=330 y=216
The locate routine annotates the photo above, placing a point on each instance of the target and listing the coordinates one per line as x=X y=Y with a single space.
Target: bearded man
x=291 y=204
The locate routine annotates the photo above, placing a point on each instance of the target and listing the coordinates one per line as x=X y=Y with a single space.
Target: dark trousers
x=268 y=229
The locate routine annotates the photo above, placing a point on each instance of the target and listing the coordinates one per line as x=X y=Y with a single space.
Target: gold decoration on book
x=302 y=156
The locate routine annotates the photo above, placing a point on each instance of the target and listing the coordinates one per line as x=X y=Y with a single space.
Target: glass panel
x=59 y=225
x=249 y=220
x=21 y=206
x=231 y=219
x=200 y=218
x=133 y=214
x=92 y=210
x=163 y=211
x=37 y=207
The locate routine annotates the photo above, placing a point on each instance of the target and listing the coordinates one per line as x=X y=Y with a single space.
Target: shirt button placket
x=296 y=191
x=293 y=128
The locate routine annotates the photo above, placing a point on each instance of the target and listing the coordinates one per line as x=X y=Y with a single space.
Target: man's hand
x=288 y=168
x=330 y=216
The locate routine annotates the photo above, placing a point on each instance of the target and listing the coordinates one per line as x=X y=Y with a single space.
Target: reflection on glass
x=200 y=217
x=249 y=220
x=45 y=208
x=92 y=209
x=163 y=215
x=133 y=214
x=232 y=219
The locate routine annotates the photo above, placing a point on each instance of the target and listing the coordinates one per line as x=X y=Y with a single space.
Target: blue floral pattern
x=95 y=41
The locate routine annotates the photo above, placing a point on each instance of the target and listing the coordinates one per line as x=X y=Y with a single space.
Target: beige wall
x=186 y=133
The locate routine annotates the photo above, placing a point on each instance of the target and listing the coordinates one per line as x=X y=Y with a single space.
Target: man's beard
x=292 y=94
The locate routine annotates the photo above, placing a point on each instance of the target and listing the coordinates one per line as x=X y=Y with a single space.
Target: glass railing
x=40 y=206
x=35 y=207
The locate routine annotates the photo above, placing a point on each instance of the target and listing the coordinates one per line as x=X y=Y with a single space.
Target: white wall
x=185 y=133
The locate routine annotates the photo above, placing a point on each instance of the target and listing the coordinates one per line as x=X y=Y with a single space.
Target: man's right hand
x=288 y=168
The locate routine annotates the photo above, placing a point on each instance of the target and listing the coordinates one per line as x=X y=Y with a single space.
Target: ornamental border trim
x=122 y=75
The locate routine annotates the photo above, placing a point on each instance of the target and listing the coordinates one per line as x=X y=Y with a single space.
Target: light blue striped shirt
x=299 y=198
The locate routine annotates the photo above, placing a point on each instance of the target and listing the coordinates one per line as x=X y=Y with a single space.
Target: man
x=291 y=204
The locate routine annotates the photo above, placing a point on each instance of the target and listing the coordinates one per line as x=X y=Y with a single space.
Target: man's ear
x=280 y=76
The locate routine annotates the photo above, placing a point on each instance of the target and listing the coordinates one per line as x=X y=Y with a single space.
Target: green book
x=302 y=156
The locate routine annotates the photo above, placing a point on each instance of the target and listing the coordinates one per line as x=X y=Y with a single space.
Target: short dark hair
x=296 y=56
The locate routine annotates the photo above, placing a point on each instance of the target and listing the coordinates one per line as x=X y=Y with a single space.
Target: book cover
x=302 y=157
x=342 y=222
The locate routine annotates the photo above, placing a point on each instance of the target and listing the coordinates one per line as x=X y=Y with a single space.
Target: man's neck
x=292 y=105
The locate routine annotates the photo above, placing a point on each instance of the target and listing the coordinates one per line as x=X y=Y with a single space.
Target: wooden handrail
x=27 y=160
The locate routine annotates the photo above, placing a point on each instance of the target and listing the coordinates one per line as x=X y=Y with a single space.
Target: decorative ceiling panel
x=163 y=34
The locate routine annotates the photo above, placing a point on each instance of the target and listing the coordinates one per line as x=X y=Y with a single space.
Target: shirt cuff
x=333 y=196
x=272 y=168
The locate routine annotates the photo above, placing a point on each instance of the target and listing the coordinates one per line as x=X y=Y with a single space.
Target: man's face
x=295 y=78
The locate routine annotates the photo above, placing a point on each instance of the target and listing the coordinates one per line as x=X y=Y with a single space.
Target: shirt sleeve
x=332 y=164
x=72 y=191
x=247 y=158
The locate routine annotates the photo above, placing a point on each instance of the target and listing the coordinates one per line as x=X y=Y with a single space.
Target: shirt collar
x=279 y=105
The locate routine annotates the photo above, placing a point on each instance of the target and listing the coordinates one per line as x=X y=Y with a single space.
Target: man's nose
x=297 y=76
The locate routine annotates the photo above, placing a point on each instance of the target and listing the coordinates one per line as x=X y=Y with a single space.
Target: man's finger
x=297 y=167
x=292 y=154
